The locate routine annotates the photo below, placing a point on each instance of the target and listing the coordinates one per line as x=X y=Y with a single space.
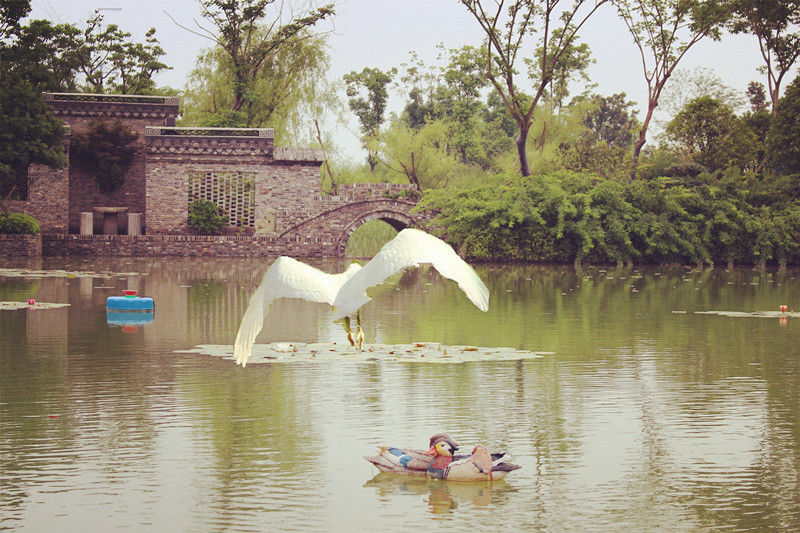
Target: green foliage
x=18 y=223
x=41 y=56
x=564 y=216
x=33 y=58
x=420 y=155
x=29 y=133
x=687 y=85
x=206 y=217
x=612 y=120
x=664 y=31
x=11 y=12
x=572 y=61
x=106 y=151
x=713 y=135
x=783 y=148
x=367 y=239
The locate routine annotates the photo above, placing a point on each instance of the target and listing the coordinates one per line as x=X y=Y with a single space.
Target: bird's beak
x=431 y=451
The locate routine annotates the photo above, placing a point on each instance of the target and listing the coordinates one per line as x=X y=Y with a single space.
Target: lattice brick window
x=233 y=191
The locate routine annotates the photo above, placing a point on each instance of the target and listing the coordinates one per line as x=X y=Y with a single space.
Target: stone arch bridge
x=339 y=216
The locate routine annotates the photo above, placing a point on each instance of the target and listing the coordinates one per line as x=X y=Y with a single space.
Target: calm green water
x=646 y=416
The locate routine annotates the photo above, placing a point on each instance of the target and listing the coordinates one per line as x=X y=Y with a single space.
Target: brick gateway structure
x=271 y=195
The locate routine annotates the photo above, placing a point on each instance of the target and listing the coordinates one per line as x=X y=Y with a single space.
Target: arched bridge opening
x=397 y=220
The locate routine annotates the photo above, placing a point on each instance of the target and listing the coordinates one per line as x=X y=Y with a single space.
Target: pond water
x=642 y=412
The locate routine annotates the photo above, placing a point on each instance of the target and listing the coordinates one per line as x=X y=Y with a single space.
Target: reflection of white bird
x=289 y=278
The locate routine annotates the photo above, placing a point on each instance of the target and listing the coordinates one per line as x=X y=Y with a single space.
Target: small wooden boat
x=440 y=462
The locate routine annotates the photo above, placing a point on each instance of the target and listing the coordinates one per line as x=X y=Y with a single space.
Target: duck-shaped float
x=439 y=462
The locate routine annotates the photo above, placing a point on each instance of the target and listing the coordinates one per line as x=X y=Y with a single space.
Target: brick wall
x=286 y=180
x=20 y=245
x=186 y=245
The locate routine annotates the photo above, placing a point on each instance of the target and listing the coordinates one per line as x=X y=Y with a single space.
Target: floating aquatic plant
x=430 y=352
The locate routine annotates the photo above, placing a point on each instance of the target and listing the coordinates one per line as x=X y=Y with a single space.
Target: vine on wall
x=106 y=151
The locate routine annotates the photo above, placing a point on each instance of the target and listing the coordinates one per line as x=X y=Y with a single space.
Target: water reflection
x=443 y=497
x=643 y=418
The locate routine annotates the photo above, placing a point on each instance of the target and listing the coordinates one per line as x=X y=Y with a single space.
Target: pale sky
x=381 y=33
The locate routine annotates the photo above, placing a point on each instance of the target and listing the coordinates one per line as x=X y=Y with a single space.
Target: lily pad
x=13 y=306
x=419 y=352
x=744 y=314
x=28 y=273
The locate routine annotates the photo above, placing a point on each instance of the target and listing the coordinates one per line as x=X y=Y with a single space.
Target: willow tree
x=508 y=26
x=250 y=33
x=664 y=31
x=289 y=91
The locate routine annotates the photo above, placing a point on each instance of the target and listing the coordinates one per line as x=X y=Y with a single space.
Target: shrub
x=563 y=216
x=206 y=217
x=18 y=223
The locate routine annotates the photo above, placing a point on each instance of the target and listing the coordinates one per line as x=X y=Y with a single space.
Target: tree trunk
x=522 y=150
x=637 y=148
x=412 y=177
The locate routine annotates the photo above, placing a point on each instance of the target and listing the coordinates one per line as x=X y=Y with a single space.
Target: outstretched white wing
x=411 y=247
x=286 y=278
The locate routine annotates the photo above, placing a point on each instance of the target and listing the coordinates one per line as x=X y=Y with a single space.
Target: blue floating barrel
x=124 y=303
x=129 y=310
x=129 y=318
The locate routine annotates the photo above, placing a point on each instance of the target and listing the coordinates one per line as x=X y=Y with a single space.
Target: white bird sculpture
x=346 y=292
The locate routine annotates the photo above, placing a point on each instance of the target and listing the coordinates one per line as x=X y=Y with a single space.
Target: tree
x=110 y=62
x=664 y=31
x=31 y=61
x=687 y=85
x=289 y=90
x=772 y=22
x=367 y=93
x=46 y=55
x=574 y=62
x=783 y=150
x=29 y=133
x=11 y=12
x=608 y=124
x=714 y=136
x=244 y=33
x=506 y=29
x=612 y=119
x=422 y=155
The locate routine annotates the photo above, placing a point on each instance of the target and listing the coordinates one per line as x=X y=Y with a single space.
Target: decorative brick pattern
x=234 y=192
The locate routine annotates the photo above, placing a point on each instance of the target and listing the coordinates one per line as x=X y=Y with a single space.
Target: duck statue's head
x=442 y=445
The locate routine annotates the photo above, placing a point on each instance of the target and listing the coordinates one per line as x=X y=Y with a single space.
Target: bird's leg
x=349 y=331
x=359 y=331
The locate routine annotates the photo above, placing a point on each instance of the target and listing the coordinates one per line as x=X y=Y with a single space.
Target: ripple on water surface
x=628 y=416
